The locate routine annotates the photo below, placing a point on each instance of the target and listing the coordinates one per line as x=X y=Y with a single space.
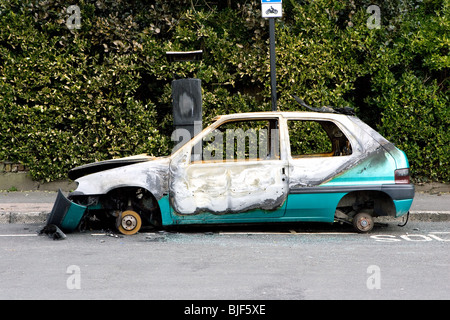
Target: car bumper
x=65 y=214
x=402 y=195
x=399 y=191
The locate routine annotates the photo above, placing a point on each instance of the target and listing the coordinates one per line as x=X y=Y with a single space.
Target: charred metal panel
x=226 y=187
x=310 y=172
x=150 y=175
x=90 y=168
x=375 y=169
x=229 y=188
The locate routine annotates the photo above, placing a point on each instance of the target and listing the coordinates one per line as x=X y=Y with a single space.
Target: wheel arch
x=142 y=200
x=378 y=201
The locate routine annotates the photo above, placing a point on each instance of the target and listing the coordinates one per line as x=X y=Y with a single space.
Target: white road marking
x=289 y=233
x=18 y=235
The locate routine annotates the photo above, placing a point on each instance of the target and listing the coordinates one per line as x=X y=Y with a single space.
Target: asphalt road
x=304 y=261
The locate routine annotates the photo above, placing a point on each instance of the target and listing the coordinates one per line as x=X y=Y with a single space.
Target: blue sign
x=271 y=1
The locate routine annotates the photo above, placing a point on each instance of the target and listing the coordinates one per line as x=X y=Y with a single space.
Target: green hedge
x=73 y=96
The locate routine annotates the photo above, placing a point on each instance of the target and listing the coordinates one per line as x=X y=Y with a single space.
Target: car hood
x=95 y=167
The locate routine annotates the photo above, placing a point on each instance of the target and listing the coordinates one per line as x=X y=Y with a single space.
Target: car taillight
x=402 y=175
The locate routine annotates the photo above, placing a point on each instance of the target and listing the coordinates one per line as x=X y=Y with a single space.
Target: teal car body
x=260 y=167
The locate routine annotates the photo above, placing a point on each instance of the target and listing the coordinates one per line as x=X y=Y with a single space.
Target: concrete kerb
x=423 y=216
x=23 y=217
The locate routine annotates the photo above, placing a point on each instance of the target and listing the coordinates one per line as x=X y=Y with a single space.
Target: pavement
x=431 y=203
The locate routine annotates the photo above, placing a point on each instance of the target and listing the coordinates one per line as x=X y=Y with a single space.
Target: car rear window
x=314 y=138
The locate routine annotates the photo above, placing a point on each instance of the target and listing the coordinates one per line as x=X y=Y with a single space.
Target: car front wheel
x=129 y=222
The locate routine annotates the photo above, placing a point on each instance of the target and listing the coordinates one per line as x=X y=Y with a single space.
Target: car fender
x=151 y=175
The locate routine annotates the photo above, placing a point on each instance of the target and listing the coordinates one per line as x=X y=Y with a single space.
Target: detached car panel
x=254 y=167
x=66 y=214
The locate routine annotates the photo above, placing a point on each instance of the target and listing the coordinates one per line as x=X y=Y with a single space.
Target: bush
x=69 y=97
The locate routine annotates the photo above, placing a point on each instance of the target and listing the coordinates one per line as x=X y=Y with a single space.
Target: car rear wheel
x=363 y=222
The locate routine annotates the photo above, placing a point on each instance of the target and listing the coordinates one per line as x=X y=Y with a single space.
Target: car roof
x=284 y=114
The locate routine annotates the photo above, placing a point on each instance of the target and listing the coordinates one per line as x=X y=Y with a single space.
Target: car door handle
x=283 y=173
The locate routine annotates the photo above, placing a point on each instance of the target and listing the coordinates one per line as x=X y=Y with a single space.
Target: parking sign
x=271 y=8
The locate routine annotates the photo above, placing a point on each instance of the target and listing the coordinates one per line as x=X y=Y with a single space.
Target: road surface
x=294 y=262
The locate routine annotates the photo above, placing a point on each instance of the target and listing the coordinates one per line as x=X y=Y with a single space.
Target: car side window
x=243 y=140
x=314 y=138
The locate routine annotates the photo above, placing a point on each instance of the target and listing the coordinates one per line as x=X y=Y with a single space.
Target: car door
x=319 y=150
x=239 y=172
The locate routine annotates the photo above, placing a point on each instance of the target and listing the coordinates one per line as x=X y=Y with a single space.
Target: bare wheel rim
x=363 y=222
x=130 y=222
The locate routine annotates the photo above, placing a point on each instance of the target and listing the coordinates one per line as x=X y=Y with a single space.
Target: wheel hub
x=364 y=223
x=129 y=223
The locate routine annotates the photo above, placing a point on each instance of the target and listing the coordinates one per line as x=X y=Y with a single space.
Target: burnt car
x=262 y=167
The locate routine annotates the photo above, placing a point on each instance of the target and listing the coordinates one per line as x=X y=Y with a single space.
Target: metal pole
x=273 y=79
